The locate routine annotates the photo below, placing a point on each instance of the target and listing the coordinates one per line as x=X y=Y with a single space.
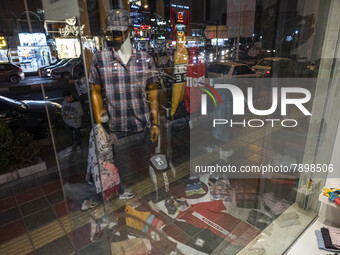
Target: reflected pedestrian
x=72 y=112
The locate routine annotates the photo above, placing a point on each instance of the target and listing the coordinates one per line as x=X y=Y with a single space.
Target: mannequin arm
x=153 y=98
x=97 y=102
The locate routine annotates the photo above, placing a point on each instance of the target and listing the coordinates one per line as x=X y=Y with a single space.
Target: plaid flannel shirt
x=125 y=87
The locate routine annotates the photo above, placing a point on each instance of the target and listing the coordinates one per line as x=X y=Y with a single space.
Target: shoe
x=126 y=195
x=78 y=148
x=88 y=204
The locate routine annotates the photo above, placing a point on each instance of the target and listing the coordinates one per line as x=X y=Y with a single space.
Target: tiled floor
x=28 y=205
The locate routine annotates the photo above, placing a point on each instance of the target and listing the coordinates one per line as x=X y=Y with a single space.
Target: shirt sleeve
x=94 y=76
x=152 y=75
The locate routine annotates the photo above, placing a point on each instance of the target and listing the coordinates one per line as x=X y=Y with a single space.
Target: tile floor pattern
x=32 y=207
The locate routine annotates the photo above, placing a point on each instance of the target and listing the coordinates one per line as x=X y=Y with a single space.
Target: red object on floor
x=210 y=215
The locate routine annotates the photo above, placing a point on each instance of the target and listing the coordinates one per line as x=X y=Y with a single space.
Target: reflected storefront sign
x=33 y=51
x=3 y=50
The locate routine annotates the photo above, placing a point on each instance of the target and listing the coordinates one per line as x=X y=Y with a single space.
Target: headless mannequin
x=124 y=52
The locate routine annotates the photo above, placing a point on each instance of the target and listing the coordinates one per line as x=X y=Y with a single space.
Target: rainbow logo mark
x=209 y=93
x=204 y=98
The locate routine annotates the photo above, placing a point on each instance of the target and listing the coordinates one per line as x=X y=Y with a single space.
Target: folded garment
x=277 y=207
x=220 y=189
x=175 y=205
x=194 y=189
x=143 y=221
x=259 y=219
x=327 y=239
x=334 y=233
x=321 y=243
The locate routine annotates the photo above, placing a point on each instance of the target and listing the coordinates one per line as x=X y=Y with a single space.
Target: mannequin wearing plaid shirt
x=127 y=87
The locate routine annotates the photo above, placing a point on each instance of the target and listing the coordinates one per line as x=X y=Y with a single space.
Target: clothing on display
x=321 y=242
x=209 y=215
x=276 y=207
x=246 y=193
x=194 y=189
x=175 y=205
x=334 y=233
x=108 y=171
x=327 y=239
x=259 y=219
x=220 y=189
x=142 y=220
x=124 y=87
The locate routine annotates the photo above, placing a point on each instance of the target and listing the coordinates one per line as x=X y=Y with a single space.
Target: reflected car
x=209 y=54
x=73 y=69
x=55 y=62
x=275 y=67
x=31 y=115
x=230 y=70
x=45 y=72
x=11 y=73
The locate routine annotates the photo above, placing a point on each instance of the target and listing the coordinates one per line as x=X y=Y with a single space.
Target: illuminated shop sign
x=180 y=17
x=3 y=42
x=71 y=28
x=142 y=39
x=180 y=34
x=161 y=23
x=180 y=6
x=145 y=27
x=34 y=39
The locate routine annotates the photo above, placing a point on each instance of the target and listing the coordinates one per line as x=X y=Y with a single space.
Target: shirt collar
x=115 y=55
